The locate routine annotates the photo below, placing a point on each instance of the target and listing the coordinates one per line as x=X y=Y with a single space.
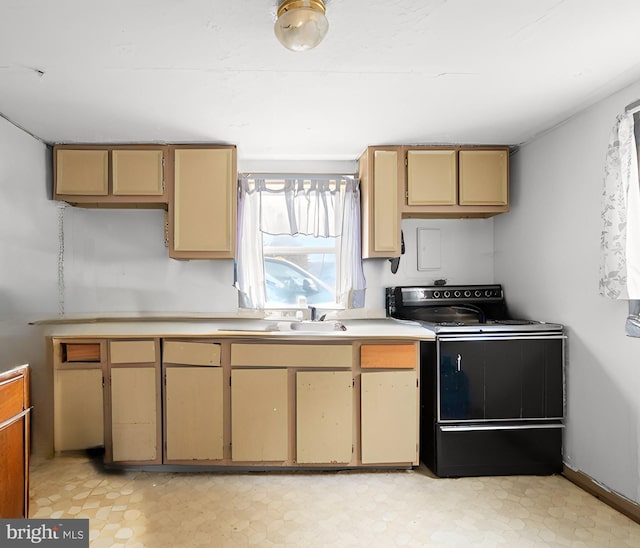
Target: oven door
x=511 y=377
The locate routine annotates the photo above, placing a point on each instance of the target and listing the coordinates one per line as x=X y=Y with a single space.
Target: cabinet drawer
x=132 y=351
x=291 y=355
x=81 y=352
x=191 y=353
x=11 y=398
x=389 y=356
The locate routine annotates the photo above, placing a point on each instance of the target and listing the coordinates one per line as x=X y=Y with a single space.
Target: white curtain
x=319 y=207
x=620 y=238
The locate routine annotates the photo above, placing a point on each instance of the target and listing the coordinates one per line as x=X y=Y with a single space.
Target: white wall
x=547 y=257
x=115 y=261
x=28 y=262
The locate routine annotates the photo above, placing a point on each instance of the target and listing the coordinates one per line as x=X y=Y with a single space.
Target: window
x=299 y=242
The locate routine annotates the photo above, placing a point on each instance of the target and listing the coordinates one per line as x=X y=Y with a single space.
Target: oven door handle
x=478 y=428
x=489 y=337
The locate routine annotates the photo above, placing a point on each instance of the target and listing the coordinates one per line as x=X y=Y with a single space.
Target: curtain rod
x=633 y=107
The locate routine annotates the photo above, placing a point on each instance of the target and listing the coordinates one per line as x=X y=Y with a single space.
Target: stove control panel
x=451 y=294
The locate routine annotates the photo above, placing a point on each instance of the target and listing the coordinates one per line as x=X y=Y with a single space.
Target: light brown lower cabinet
x=134 y=404
x=134 y=414
x=79 y=409
x=227 y=402
x=78 y=393
x=194 y=415
x=259 y=415
x=324 y=417
x=389 y=413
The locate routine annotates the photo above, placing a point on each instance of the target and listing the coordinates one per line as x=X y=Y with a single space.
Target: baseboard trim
x=617 y=502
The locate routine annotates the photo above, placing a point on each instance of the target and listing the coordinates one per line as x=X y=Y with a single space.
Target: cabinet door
x=389 y=415
x=382 y=180
x=204 y=202
x=193 y=413
x=432 y=177
x=484 y=176
x=137 y=172
x=78 y=409
x=386 y=211
x=324 y=416
x=134 y=414
x=259 y=415
x=82 y=172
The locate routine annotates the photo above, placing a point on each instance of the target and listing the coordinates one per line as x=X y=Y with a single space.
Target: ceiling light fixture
x=301 y=24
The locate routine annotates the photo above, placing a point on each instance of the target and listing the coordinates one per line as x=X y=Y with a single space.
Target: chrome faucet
x=313 y=313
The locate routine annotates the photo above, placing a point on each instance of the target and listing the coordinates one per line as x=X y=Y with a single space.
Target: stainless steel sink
x=318 y=326
x=304 y=326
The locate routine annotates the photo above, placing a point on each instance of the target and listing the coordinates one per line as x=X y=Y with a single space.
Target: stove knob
x=447 y=294
x=467 y=293
x=436 y=294
x=487 y=293
x=456 y=293
x=478 y=293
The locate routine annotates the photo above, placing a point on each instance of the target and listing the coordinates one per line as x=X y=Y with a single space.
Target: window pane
x=299 y=266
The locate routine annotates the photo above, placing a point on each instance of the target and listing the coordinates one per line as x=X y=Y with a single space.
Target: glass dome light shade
x=301 y=24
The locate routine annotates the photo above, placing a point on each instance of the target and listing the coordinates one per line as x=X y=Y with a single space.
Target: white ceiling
x=388 y=72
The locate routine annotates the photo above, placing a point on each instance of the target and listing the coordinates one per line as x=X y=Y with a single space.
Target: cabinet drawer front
x=191 y=353
x=389 y=356
x=291 y=355
x=132 y=351
x=11 y=398
x=81 y=352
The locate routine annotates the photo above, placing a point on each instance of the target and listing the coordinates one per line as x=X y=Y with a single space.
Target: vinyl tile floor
x=321 y=509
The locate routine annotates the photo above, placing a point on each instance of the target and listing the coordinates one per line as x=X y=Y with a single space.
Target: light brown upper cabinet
x=202 y=205
x=110 y=175
x=432 y=177
x=484 y=177
x=381 y=172
x=456 y=182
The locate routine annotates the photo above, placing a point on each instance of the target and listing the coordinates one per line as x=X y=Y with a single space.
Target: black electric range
x=491 y=386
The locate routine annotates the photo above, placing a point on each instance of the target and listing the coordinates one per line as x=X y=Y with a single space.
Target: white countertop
x=231 y=328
